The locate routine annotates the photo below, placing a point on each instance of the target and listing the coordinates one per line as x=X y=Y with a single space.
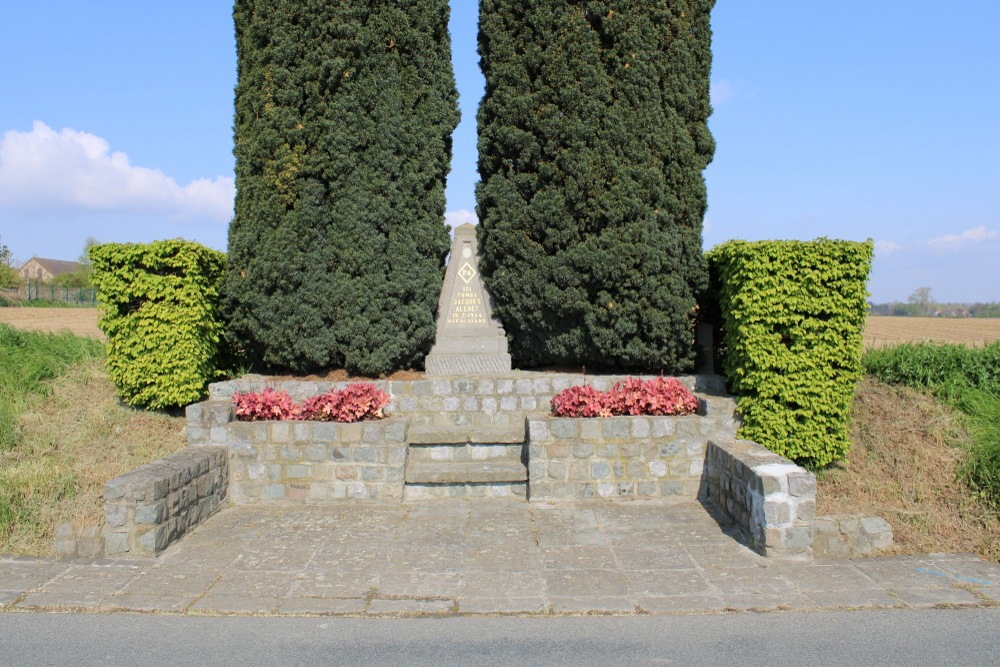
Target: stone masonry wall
x=770 y=498
x=153 y=506
x=849 y=535
x=501 y=401
x=315 y=462
x=620 y=457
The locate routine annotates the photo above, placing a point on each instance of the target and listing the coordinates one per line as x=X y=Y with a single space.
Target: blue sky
x=840 y=119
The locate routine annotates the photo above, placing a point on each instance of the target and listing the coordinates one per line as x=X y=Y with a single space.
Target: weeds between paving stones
x=903 y=465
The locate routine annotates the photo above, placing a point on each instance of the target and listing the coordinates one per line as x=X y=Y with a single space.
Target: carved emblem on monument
x=469 y=340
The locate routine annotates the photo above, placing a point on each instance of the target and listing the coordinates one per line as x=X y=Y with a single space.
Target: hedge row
x=159 y=308
x=793 y=314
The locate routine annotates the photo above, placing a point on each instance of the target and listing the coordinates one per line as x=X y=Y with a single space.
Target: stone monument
x=469 y=340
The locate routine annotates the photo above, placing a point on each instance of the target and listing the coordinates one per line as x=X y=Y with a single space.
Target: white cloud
x=886 y=247
x=972 y=236
x=721 y=92
x=460 y=217
x=47 y=171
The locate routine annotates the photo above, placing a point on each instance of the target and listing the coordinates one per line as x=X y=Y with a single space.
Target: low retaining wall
x=156 y=504
x=618 y=457
x=498 y=401
x=847 y=535
x=770 y=498
x=316 y=462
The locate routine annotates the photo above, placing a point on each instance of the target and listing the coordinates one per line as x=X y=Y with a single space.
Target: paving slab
x=485 y=557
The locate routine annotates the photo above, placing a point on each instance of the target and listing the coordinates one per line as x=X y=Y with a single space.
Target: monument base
x=467 y=364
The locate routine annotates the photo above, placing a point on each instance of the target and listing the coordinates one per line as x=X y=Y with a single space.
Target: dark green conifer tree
x=593 y=140
x=344 y=115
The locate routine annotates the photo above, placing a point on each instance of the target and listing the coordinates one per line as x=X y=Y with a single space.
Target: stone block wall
x=770 y=498
x=848 y=535
x=314 y=462
x=500 y=401
x=78 y=541
x=620 y=457
x=153 y=506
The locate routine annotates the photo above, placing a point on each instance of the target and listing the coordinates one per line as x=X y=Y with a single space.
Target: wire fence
x=38 y=291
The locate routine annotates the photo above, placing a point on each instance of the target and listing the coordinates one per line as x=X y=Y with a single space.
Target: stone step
x=461 y=435
x=465 y=472
x=502 y=491
x=466 y=452
x=722 y=407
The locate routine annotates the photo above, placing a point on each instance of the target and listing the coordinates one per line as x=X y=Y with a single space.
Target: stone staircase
x=466 y=461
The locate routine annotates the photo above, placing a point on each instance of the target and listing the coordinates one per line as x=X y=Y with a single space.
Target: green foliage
x=28 y=361
x=793 y=314
x=967 y=378
x=159 y=307
x=931 y=365
x=593 y=138
x=344 y=115
x=8 y=275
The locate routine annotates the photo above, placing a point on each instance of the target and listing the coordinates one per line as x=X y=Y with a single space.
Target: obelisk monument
x=469 y=340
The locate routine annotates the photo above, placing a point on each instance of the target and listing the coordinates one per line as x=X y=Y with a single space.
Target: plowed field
x=882 y=331
x=81 y=321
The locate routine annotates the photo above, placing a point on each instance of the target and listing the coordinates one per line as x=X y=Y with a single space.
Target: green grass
x=932 y=365
x=968 y=379
x=28 y=361
x=42 y=303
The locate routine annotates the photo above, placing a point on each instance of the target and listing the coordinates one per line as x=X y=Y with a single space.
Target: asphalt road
x=900 y=637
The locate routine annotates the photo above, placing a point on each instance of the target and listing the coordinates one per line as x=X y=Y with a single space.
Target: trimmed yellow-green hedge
x=159 y=306
x=793 y=313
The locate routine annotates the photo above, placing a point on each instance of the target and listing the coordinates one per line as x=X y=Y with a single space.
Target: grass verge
x=908 y=451
x=28 y=360
x=68 y=435
x=967 y=379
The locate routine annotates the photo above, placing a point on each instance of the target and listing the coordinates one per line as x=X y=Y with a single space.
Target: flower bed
x=361 y=401
x=629 y=397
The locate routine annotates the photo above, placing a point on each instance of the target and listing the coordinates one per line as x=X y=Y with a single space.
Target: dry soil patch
x=80 y=321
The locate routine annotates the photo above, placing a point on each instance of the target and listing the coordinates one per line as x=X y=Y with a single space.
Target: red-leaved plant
x=355 y=402
x=268 y=405
x=656 y=397
x=632 y=396
x=580 y=402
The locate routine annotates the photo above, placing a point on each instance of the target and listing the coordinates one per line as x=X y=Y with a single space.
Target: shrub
x=344 y=116
x=632 y=396
x=268 y=405
x=359 y=401
x=793 y=314
x=593 y=137
x=159 y=308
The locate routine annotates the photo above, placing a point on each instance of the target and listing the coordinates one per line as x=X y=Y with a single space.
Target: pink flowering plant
x=632 y=396
x=360 y=401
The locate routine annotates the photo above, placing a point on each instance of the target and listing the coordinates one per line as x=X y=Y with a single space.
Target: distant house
x=44 y=270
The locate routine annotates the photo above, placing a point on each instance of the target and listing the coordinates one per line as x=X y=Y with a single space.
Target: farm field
x=80 y=321
x=883 y=331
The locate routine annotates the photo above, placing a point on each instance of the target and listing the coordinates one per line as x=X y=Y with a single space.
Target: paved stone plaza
x=483 y=557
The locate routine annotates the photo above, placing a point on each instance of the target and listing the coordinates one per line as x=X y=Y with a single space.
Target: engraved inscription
x=467 y=273
x=467 y=308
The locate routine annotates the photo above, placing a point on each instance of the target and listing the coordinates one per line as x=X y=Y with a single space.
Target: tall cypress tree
x=593 y=140
x=344 y=115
